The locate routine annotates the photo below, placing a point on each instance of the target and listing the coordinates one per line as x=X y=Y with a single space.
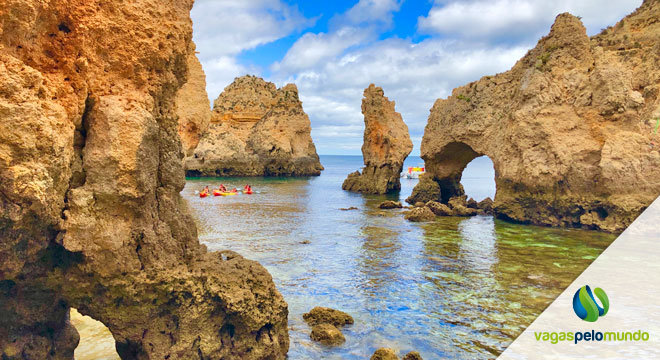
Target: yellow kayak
x=228 y=193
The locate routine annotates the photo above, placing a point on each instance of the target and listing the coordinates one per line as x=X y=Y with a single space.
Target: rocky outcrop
x=256 y=130
x=420 y=214
x=569 y=128
x=90 y=211
x=327 y=334
x=384 y=354
x=389 y=204
x=386 y=146
x=324 y=315
x=192 y=105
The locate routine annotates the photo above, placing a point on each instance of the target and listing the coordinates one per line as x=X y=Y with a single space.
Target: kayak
x=228 y=193
x=247 y=192
x=203 y=194
x=216 y=193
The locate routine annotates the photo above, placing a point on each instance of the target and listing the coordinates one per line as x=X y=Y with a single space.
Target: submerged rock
x=324 y=315
x=389 y=204
x=327 y=334
x=569 y=128
x=192 y=105
x=92 y=216
x=413 y=355
x=348 y=208
x=256 y=130
x=420 y=214
x=386 y=145
x=384 y=354
x=439 y=209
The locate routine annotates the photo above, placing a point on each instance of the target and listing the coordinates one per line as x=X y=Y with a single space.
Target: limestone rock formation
x=384 y=354
x=192 y=105
x=569 y=128
x=420 y=214
x=327 y=334
x=386 y=146
x=256 y=130
x=90 y=211
x=389 y=204
x=324 y=315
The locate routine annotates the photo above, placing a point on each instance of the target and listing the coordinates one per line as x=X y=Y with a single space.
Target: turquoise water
x=459 y=288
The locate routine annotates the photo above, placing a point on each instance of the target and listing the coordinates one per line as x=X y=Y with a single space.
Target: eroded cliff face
x=385 y=147
x=90 y=211
x=193 y=106
x=570 y=128
x=256 y=130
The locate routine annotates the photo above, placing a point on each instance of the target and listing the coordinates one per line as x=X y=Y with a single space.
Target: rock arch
x=569 y=128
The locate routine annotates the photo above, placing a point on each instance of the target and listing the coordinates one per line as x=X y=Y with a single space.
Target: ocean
x=459 y=288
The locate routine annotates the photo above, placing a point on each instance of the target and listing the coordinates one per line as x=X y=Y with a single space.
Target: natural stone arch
x=444 y=172
x=570 y=128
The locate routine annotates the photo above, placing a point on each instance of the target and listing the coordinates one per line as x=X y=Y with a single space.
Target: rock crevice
x=90 y=212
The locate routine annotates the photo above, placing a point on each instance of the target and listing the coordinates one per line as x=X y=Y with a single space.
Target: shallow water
x=460 y=288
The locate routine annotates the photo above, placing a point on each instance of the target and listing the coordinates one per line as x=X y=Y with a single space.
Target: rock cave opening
x=96 y=340
x=478 y=178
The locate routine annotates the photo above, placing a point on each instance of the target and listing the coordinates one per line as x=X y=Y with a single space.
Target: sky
x=416 y=50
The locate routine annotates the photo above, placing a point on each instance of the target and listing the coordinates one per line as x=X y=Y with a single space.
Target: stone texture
x=439 y=209
x=327 y=334
x=384 y=354
x=256 y=130
x=386 y=145
x=486 y=205
x=413 y=355
x=569 y=128
x=389 y=204
x=324 y=315
x=420 y=214
x=192 y=105
x=90 y=212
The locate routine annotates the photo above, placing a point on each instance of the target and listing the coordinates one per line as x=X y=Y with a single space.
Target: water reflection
x=459 y=288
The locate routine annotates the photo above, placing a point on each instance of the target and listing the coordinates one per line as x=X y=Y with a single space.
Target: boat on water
x=413 y=172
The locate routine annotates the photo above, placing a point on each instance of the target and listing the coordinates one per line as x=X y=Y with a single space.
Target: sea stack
x=91 y=215
x=386 y=146
x=256 y=130
x=192 y=105
x=570 y=128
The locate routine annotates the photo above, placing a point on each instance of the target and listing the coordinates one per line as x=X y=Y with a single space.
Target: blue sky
x=418 y=51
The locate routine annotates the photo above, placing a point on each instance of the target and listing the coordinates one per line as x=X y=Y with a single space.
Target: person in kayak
x=206 y=190
x=222 y=188
x=234 y=190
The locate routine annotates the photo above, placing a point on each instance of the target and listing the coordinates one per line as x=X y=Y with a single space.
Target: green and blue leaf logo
x=585 y=305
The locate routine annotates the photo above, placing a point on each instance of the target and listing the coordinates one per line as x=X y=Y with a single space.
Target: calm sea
x=460 y=288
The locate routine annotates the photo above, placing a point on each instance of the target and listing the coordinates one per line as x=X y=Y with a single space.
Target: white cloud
x=222 y=29
x=515 y=20
x=368 y=11
x=413 y=75
x=227 y=27
x=470 y=39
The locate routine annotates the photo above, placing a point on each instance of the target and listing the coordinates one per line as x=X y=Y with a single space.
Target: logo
x=585 y=305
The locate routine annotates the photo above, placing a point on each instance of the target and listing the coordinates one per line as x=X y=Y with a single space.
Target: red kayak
x=203 y=194
x=247 y=192
x=216 y=193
